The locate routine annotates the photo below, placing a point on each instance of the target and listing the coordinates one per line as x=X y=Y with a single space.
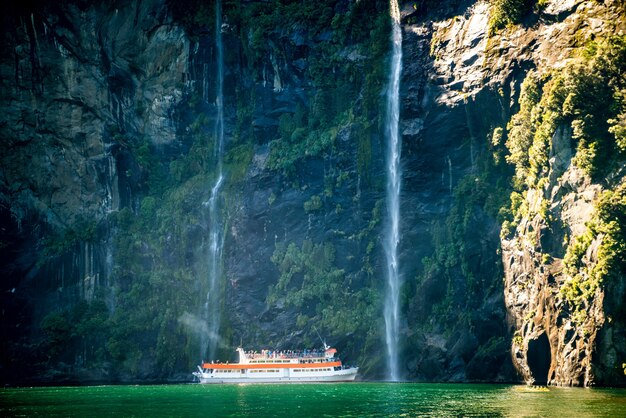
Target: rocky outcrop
x=550 y=344
x=555 y=343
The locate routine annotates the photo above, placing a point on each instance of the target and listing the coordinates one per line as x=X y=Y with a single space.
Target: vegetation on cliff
x=587 y=96
x=324 y=296
x=566 y=147
x=608 y=226
x=509 y=12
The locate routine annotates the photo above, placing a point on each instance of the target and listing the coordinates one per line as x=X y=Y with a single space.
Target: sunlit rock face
x=532 y=290
x=549 y=344
x=580 y=350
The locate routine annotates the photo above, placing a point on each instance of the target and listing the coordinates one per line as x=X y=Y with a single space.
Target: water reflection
x=523 y=401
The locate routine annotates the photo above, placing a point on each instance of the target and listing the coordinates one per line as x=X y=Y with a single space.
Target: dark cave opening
x=539 y=359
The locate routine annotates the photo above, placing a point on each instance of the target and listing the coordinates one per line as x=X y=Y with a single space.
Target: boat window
x=264 y=371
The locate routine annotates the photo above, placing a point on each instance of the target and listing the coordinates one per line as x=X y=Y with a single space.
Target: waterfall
x=213 y=298
x=392 y=233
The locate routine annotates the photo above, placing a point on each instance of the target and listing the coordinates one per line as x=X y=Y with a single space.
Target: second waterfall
x=216 y=240
x=392 y=230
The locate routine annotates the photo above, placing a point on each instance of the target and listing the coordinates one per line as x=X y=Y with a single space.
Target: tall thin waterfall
x=392 y=233
x=213 y=298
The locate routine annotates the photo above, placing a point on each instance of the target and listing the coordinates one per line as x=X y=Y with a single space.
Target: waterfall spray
x=392 y=233
x=212 y=305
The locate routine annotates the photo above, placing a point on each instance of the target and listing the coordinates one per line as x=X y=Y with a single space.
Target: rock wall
x=81 y=84
x=551 y=344
x=108 y=159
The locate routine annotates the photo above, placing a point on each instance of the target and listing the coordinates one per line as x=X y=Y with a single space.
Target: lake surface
x=314 y=400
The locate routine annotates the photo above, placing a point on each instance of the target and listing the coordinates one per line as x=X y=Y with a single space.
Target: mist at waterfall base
x=349 y=400
x=199 y=327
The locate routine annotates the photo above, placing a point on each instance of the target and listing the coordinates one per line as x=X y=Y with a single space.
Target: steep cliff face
x=109 y=156
x=71 y=79
x=561 y=260
x=81 y=86
x=555 y=292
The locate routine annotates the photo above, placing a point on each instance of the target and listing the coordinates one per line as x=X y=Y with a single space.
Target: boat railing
x=288 y=354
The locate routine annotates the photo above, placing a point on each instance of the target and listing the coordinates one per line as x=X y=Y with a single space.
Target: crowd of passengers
x=284 y=354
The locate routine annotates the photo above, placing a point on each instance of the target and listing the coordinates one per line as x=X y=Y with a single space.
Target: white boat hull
x=343 y=375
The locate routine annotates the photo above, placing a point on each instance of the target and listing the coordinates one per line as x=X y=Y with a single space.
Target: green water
x=313 y=400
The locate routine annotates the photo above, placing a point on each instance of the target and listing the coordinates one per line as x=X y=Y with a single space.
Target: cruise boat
x=279 y=367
